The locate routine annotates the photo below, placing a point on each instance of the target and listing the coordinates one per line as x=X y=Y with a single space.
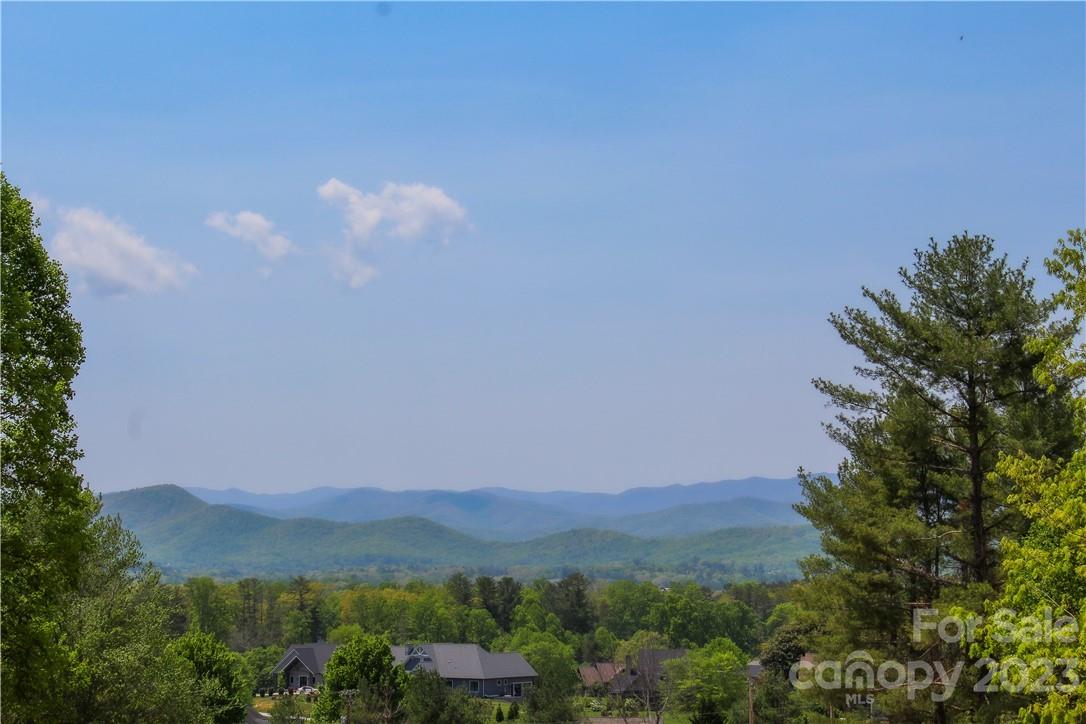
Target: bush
x=514 y=711
x=498 y=716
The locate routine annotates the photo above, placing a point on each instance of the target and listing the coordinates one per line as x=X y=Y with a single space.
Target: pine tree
x=919 y=506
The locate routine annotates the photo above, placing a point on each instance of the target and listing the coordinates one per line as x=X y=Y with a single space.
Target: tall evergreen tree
x=919 y=505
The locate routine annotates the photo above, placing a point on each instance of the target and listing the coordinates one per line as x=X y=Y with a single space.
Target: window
x=518 y=689
x=473 y=687
x=305 y=681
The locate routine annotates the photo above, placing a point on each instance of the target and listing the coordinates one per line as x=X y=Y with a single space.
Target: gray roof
x=462 y=661
x=313 y=657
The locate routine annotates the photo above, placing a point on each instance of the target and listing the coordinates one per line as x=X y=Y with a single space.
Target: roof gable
x=314 y=657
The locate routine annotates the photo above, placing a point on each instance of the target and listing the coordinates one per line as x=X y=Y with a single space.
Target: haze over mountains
x=498 y=513
x=185 y=535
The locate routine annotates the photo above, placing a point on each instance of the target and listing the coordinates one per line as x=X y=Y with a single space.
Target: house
x=470 y=667
x=597 y=677
x=303 y=664
x=639 y=678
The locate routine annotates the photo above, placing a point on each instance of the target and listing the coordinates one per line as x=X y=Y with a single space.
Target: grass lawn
x=265 y=704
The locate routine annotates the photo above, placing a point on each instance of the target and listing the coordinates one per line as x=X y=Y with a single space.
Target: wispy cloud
x=111 y=258
x=254 y=229
x=349 y=268
x=405 y=212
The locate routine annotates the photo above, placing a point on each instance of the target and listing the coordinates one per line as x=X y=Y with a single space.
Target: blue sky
x=543 y=246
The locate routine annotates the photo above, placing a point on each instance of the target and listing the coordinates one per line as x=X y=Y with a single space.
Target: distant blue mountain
x=506 y=514
x=187 y=536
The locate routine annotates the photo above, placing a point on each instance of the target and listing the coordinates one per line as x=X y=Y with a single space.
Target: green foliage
x=640 y=641
x=344 y=633
x=429 y=700
x=116 y=628
x=708 y=679
x=514 y=711
x=689 y=615
x=785 y=647
x=1045 y=570
x=208 y=609
x=459 y=587
x=480 y=628
x=259 y=662
x=601 y=646
x=920 y=507
x=551 y=699
x=287 y=710
x=221 y=675
x=364 y=665
x=625 y=606
x=568 y=600
x=44 y=508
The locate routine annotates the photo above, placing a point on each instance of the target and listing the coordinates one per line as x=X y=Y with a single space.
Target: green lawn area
x=265 y=704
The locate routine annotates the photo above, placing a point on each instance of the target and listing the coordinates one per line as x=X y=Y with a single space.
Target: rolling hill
x=506 y=514
x=185 y=535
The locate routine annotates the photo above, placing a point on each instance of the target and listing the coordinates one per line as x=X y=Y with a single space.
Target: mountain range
x=185 y=535
x=505 y=514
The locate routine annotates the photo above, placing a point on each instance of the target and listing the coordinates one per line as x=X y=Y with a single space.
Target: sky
x=542 y=246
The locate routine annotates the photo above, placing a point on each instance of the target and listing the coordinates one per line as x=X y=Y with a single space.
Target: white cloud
x=398 y=211
x=252 y=228
x=354 y=272
x=404 y=211
x=111 y=258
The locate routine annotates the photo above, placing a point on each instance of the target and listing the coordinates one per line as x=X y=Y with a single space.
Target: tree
x=431 y=617
x=45 y=511
x=459 y=587
x=480 y=627
x=429 y=700
x=209 y=611
x=116 y=627
x=364 y=665
x=550 y=699
x=919 y=507
x=568 y=599
x=709 y=679
x=221 y=675
x=260 y=661
x=486 y=595
x=344 y=633
x=629 y=649
x=624 y=607
x=287 y=710
x=1045 y=571
x=599 y=645
x=508 y=597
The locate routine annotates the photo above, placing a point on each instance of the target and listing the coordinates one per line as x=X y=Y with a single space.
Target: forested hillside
x=183 y=534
